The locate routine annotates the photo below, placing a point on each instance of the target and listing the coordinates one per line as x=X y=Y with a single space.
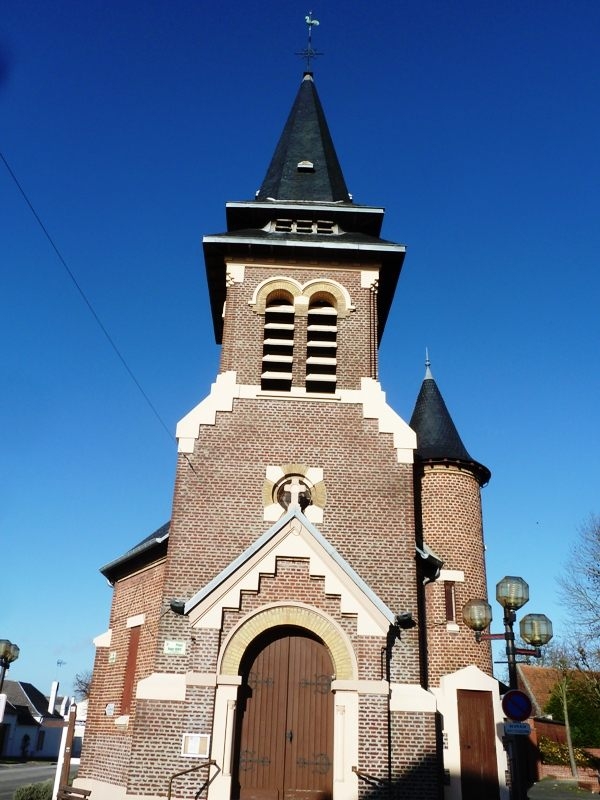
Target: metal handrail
x=370 y=779
x=208 y=763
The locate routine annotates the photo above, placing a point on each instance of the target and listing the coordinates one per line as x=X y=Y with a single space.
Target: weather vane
x=309 y=52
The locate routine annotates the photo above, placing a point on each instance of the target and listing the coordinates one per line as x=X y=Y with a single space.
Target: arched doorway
x=284 y=732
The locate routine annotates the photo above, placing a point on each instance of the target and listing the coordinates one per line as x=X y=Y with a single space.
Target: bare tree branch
x=82 y=684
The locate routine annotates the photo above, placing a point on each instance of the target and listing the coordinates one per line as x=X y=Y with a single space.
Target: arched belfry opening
x=278 y=342
x=321 y=344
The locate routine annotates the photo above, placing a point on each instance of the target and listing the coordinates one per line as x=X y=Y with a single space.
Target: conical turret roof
x=305 y=165
x=438 y=441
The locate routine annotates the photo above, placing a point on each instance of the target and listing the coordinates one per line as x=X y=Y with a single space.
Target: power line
x=85 y=299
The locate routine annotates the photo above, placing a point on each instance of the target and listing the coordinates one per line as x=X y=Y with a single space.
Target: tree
x=581 y=583
x=582 y=710
x=558 y=656
x=581 y=588
x=82 y=684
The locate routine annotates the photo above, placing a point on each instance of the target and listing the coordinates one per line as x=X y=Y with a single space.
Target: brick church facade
x=295 y=630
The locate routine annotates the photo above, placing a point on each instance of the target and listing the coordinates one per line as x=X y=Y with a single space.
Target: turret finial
x=309 y=52
x=427 y=365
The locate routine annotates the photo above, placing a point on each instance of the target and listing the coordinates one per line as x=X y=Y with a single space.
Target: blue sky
x=130 y=124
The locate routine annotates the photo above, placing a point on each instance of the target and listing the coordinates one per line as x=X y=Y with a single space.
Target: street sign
x=517 y=728
x=516 y=705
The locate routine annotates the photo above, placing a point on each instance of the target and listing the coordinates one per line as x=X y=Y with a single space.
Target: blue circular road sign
x=516 y=705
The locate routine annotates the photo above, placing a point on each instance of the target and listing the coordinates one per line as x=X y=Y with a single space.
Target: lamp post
x=536 y=629
x=9 y=652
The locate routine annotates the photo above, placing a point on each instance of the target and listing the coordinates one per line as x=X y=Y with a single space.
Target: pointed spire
x=438 y=441
x=305 y=165
x=428 y=375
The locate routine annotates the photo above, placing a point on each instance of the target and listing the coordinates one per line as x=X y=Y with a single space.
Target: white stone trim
x=200 y=679
x=361 y=687
x=103 y=639
x=345 y=745
x=221 y=396
x=135 y=621
x=102 y=790
x=222 y=738
x=369 y=277
x=274 y=278
x=371 y=396
x=411 y=697
x=162 y=686
x=340 y=287
x=235 y=273
x=229 y=680
x=456 y=575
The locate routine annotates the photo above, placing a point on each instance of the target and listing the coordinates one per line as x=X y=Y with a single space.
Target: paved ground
x=557 y=790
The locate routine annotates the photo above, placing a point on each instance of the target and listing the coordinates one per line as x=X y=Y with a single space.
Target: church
x=295 y=629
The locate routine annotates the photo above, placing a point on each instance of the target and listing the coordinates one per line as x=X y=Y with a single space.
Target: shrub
x=558 y=754
x=35 y=791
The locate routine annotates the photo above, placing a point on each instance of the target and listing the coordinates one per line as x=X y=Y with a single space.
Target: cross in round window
x=293 y=492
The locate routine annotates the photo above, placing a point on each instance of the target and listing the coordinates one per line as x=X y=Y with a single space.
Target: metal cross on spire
x=309 y=52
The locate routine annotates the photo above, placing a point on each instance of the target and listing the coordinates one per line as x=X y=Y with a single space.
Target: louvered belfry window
x=321 y=346
x=278 y=344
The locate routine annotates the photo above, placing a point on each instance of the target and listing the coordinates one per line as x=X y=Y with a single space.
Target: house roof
x=28 y=703
x=438 y=440
x=538 y=683
x=151 y=548
x=305 y=165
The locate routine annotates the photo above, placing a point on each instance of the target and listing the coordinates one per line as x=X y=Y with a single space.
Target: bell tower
x=299 y=331
x=272 y=631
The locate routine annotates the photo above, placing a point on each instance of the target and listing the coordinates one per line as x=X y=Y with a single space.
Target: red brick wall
x=218 y=511
x=106 y=748
x=414 y=768
x=453 y=528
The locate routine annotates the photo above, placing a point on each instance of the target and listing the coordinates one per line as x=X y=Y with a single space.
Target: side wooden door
x=285 y=721
x=478 y=764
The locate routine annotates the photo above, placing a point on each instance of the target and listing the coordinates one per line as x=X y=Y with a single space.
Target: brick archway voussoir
x=299 y=616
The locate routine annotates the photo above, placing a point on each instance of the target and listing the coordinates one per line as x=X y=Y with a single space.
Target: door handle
x=289 y=736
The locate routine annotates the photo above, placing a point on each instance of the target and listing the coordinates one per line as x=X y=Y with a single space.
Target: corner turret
x=438 y=441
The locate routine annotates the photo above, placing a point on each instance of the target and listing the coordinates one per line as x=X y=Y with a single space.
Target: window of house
x=278 y=343
x=321 y=346
x=130 y=666
x=39 y=742
x=450 y=600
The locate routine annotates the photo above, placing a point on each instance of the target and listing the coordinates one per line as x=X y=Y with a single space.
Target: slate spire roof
x=305 y=165
x=303 y=213
x=438 y=441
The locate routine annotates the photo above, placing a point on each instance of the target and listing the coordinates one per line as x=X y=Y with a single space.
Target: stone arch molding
x=302 y=293
x=300 y=616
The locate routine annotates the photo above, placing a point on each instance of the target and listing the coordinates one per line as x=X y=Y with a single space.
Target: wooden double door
x=284 y=736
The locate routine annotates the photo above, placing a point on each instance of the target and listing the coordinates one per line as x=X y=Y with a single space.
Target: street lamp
x=536 y=629
x=9 y=652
